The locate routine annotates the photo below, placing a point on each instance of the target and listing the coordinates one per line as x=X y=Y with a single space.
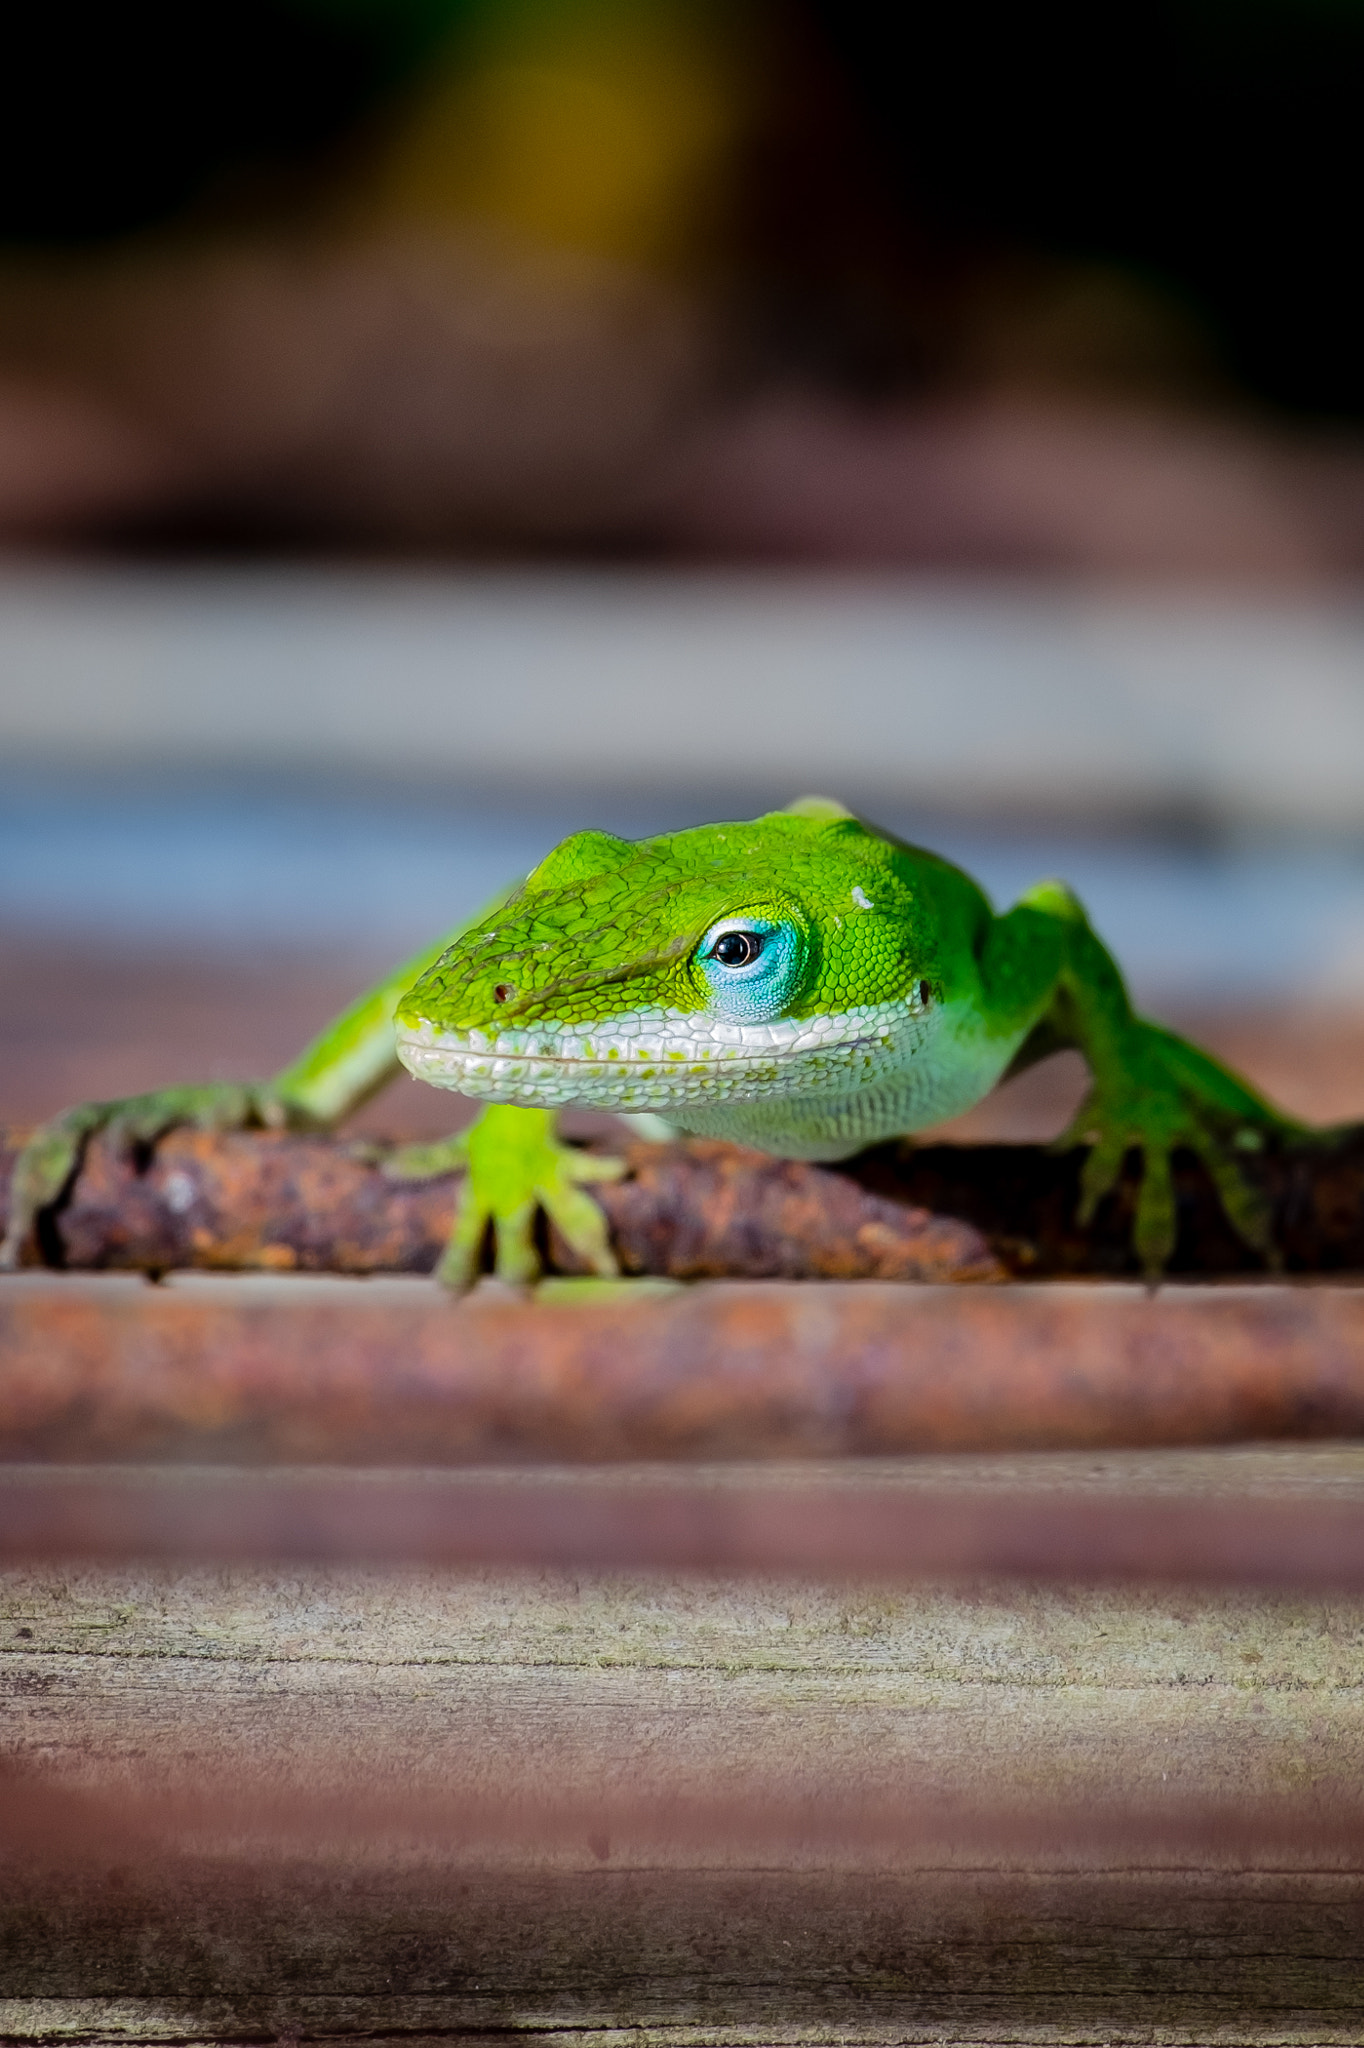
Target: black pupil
x=737 y=949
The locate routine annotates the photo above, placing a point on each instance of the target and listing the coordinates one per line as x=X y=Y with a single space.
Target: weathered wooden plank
x=302 y=1953
x=311 y=1683
x=530 y=1686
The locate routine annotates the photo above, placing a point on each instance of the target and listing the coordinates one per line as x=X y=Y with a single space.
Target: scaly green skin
x=801 y=982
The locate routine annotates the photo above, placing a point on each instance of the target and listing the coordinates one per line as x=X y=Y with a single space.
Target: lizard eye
x=751 y=966
x=737 y=949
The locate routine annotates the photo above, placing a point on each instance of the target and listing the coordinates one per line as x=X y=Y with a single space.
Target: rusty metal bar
x=810 y=1529
x=331 y=1371
x=282 y=1203
x=697 y=1210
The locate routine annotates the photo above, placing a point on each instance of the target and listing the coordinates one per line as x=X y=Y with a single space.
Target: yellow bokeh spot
x=595 y=125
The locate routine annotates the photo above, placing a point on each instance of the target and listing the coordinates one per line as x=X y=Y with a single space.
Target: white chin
x=536 y=1082
x=663 y=1060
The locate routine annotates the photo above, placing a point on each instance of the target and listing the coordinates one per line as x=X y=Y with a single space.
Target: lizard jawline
x=822 y=1056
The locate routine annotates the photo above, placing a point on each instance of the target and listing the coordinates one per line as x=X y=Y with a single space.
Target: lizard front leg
x=1150 y=1092
x=514 y=1166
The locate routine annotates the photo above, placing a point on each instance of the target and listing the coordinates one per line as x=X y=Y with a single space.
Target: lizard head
x=774 y=957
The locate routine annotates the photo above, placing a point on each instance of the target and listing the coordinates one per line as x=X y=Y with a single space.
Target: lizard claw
x=43 y=1172
x=514 y=1167
x=1166 y=1096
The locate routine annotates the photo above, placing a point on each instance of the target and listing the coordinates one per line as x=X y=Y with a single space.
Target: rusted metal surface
x=1023 y=1199
x=698 y=1209
x=266 y=1201
x=812 y=1530
x=369 y=1372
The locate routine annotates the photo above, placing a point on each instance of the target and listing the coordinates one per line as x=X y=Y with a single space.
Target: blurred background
x=429 y=426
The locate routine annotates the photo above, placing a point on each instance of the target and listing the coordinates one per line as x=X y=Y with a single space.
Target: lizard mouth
x=650 y=1062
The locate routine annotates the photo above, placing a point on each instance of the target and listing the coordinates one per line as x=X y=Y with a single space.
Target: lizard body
x=801 y=982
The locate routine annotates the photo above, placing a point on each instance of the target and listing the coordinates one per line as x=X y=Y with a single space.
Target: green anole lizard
x=803 y=983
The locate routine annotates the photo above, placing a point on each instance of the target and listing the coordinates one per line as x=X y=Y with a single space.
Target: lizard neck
x=926 y=1076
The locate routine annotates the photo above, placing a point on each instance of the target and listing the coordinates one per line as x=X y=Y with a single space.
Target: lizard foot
x=513 y=1167
x=52 y=1157
x=1168 y=1095
x=580 y=1291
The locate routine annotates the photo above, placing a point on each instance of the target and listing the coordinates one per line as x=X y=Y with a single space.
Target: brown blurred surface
x=454 y=395
x=81 y=1024
x=775 y=281
x=87 y=1024
x=290 y=1369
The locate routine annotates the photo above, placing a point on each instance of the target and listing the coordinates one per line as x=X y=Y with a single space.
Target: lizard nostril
x=504 y=992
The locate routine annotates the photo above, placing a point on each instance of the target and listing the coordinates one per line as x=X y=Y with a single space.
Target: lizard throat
x=664 y=1059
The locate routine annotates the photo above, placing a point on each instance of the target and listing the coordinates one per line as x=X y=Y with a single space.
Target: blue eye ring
x=752 y=963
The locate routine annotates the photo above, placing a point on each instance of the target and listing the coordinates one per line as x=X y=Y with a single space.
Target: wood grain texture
x=531 y=1686
x=298 y=1954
